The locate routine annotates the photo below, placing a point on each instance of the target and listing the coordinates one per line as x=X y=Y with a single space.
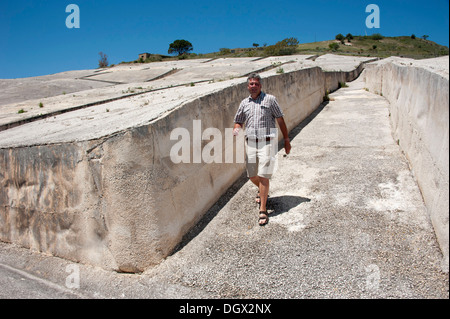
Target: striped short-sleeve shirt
x=259 y=115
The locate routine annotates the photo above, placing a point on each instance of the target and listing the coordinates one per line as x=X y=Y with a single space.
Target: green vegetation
x=287 y=46
x=333 y=46
x=326 y=98
x=375 y=45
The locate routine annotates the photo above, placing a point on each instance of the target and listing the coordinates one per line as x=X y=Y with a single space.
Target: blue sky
x=34 y=39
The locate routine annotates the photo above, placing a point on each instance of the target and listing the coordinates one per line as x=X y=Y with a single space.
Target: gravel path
x=346 y=221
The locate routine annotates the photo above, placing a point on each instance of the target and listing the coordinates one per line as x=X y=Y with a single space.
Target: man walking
x=259 y=113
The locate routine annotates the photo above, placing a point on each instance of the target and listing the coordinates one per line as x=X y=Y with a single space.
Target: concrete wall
x=419 y=112
x=49 y=202
x=119 y=202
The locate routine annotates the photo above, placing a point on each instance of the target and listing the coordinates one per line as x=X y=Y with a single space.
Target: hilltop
x=403 y=46
x=364 y=46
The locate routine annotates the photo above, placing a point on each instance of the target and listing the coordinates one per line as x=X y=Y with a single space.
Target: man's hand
x=236 y=129
x=287 y=145
x=283 y=128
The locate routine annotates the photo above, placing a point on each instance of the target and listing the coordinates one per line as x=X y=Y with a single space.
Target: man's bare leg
x=263 y=192
x=263 y=186
x=255 y=180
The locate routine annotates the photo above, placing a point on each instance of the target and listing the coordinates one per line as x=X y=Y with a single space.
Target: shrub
x=103 y=62
x=333 y=46
x=287 y=46
x=153 y=58
x=224 y=51
x=376 y=36
x=326 y=98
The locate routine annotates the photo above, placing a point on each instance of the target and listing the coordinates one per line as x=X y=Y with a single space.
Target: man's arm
x=283 y=128
x=239 y=119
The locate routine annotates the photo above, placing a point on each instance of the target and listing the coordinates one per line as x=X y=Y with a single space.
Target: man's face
x=254 y=87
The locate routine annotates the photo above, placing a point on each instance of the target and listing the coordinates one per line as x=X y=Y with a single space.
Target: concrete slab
x=418 y=92
x=20 y=99
x=98 y=180
x=331 y=62
x=89 y=165
x=434 y=65
x=346 y=221
x=107 y=118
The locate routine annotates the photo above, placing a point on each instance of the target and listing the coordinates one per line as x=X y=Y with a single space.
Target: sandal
x=263 y=218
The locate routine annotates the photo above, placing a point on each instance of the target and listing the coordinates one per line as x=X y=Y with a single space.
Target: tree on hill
x=339 y=37
x=290 y=42
x=287 y=46
x=180 y=46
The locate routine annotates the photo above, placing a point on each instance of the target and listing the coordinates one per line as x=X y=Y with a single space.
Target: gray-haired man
x=259 y=113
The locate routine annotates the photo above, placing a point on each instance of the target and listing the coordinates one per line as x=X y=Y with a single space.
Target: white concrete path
x=347 y=221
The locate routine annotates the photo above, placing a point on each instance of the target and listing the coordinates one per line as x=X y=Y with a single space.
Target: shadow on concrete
x=283 y=204
x=212 y=212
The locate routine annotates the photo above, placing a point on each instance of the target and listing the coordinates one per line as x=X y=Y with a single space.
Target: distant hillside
x=404 y=46
x=375 y=45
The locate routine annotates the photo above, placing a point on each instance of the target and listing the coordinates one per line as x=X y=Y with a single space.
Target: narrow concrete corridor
x=347 y=220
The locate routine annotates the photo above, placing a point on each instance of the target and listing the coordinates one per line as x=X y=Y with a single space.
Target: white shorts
x=261 y=157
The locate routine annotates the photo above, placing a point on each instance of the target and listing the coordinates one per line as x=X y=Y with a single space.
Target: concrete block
x=418 y=93
x=106 y=191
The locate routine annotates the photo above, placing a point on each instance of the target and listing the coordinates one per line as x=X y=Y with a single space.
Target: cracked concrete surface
x=91 y=178
x=347 y=221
